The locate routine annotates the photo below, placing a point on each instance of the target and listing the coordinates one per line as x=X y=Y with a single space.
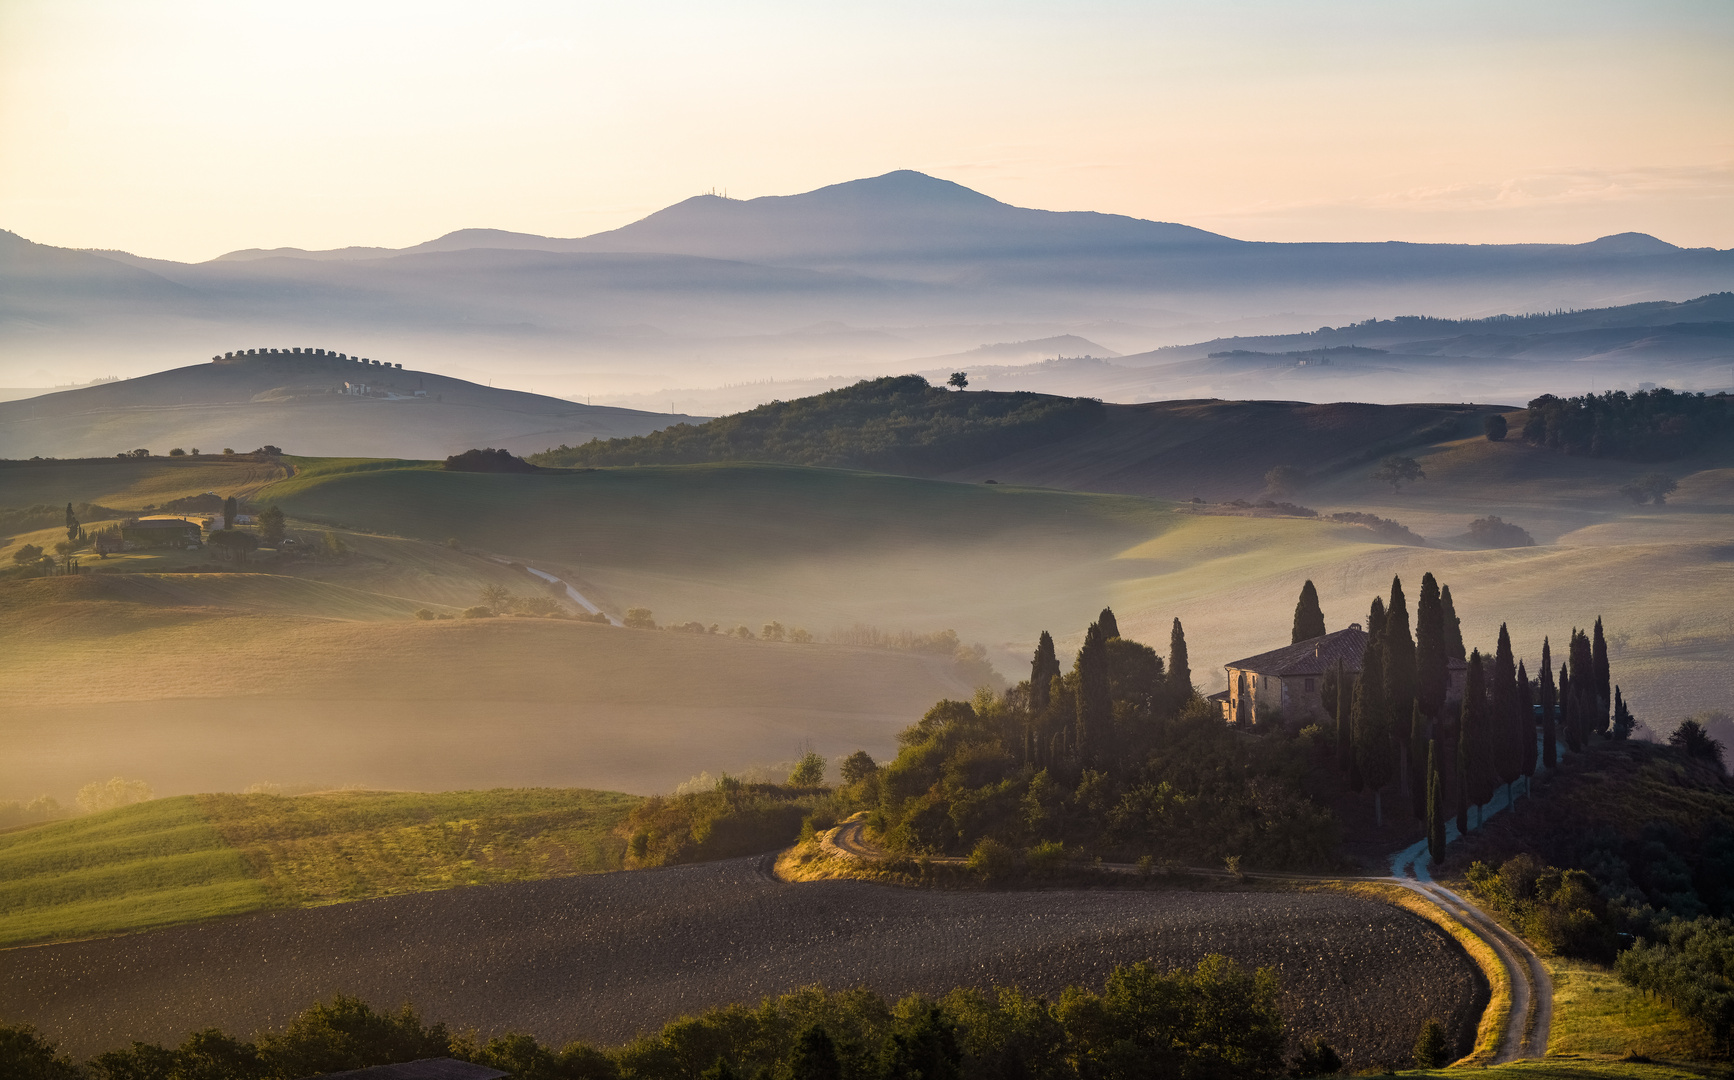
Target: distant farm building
x=161 y=532
x=1289 y=679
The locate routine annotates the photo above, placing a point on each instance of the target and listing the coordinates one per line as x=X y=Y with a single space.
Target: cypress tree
x=1567 y=709
x=1584 y=685
x=1372 y=728
x=1418 y=763
x=1095 y=698
x=1376 y=621
x=1110 y=626
x=1462 y=782
x=1549 y=728
x=1599 y=668
x=1309 y=619
x=231 y=511
x=1430 y=656
x=1328 y=690
x=1476 y=744
x=1506 y=740
x=1043 y=667
x=1453 y=626
x=1179 y=668
x=1624 y=722
x=1435 y=805
x=1345 y=734
x=1399 y=674
x=1525 y=725
x=1357 y=709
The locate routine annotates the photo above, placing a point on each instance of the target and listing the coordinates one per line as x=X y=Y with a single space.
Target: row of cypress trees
x=1392 y=723
x=1104 y=660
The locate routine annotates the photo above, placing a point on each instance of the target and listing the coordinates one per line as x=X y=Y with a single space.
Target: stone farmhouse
x=161 y=532
x=1289 y=679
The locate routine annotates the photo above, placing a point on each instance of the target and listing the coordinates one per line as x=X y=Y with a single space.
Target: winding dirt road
x=1531 y=1013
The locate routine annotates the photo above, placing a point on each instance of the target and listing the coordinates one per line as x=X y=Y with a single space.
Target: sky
x=184 y=128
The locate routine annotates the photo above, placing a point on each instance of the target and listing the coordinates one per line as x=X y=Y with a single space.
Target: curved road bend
x=1531 y=1014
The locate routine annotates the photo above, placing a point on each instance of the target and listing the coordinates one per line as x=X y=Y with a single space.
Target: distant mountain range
x=858 y=278
x=306 y=402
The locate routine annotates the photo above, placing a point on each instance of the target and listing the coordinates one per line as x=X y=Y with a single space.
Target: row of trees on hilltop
x=1650 y=425
x=1392 y=723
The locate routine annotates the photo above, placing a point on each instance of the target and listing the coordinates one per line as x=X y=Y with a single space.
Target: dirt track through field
x=598 y=958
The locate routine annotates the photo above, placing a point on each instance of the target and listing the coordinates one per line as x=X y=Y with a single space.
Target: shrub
x=108 y=794
x=809 y=771
x=1316 y=1059
x=639 y=618
x=1654 y=488
x=1495 y=427
x=478 y=613
x=1494 y=532
x=1430 y=1049
x=425 y=614
x=1558 y=911
x=1046 y=859
x=177 y=452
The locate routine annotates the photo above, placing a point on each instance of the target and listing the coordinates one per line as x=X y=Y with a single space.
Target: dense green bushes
x=733 y=818
x=1650 y=425
x=1215 y=1022
x=894 y=424
x=1558 y=911
x=1691 y=967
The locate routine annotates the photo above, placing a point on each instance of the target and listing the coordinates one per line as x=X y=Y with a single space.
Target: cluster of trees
x=1495 y=532
x=1690 y=965
x=489 y=460
x=1393 y=724
x=894 y=424
x=1217 y=1021
x=1117 y=756
x=1389 y=531
x=1650 y=425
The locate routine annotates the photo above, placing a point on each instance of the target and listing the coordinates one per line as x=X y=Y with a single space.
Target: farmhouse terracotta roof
x=425 y=1069
x=1310 y=657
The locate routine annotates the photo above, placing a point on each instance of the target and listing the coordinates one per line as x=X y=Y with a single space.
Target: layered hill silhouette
x=306 y=402
x=1171 y=449
x=721 y=289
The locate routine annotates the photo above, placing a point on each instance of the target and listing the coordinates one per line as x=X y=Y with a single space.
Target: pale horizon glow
x=187 y=128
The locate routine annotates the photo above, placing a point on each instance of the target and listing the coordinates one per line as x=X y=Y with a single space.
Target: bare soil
x=600 y=958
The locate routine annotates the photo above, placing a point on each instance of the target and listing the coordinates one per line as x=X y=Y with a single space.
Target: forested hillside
x=894 y=424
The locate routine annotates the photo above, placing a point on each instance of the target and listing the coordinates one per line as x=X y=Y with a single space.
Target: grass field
x=132 y=483
x=185 y=859
x=1596 y=1014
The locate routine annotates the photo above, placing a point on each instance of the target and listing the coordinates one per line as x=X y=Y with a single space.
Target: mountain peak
x=1629 y=243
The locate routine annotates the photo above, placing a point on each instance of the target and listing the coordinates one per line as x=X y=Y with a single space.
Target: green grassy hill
x=133 y=483
x=178 y=860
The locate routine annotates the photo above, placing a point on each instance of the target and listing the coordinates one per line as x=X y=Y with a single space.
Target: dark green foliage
x=926 y=1050
x=1309 y=619
x=734 y=818
x=1398 y=651
x=1692 y=969
x=1140 y=777
x=858 y=767
x=1549 y=711
x=1694 y=739
x=1650 y=425
x=1376 y=623
x=1371 y=723
x=1624 y=721
x=348 y=1034
x=1496 y=427
x=1653 y=488
x=26 y=1055
x=236 y=543
x=1110 y=626
x=1417 y=759
x=231 y=510
x=815 y=1057
x=1431 y=656
x=1329 y=687
x=1179 y=667
x=895 y=424
x=1601 y=675
x=1453 y=627
x=1431 y=1051
x=1495 y=532
x=1435 y=806
x=1319 y=1058
x=1095 y=702
x=1398 y=470
x=1558 y=911
x=1475 y=743
x=1044 y=669
x=271 y=527
x=1504 y=728
x=489 y=461
x=1570 y=720
x=1525 y=721
x=1344 y=716
x=1591 y=719
x=1391 y=532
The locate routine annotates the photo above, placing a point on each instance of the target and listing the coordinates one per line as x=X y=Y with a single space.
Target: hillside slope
x=295 y=401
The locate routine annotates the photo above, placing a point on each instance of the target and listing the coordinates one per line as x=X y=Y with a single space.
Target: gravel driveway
x=601 y=957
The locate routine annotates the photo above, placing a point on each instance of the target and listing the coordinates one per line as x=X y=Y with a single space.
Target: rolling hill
x=720 y=290
x=297 y=400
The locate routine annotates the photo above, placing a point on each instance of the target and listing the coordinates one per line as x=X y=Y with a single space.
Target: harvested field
x=599 y=958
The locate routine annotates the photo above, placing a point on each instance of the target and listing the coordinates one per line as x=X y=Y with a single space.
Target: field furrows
x=599 y=958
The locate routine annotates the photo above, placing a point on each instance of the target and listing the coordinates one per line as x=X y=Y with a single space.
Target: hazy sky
x=182 y=129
